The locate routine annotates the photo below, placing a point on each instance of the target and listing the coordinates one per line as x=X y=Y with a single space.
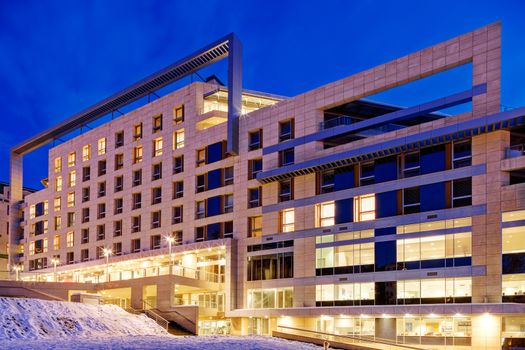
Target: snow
x=37 y=325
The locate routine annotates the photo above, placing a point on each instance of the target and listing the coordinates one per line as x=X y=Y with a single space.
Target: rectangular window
x=157 y=147
x=119 y=139
x=326 y=181
x=84 y=255
x=177 y=215
x=101 y=189
x=101 y=232
x=86 y=153
x=178 y=189
x=70 y=239
x=157 y=123
x=118 y=206
x=200 y=183
x=156 y=195
x=101 y=146
x=71 y=199
x=156 y=173
x=287 y=220
x=286 y=157
x=71 y=159
x=411 y=200
x=366 y=173
x=255 y=226
x=200 y=209
x=254 y=197
x=255 y=140
x=86 y=173
x=272 y=266
x=228 y=203
x=58 y=164
x=137 y=177
x=411 y=164
x=155 y=242
x=462 y=154
x=85 y=215
x=136 y=224
x=58 y=223
x=285 y=190
x=136 y=201
x=119 y=183
x=57 y=204
x=84 y=236
x=135 y=245
x=325 y=214
x=58 y=183
x=228 y=176
x=178 y=114
x=155 y=219
x=102 y=167
x=178 y=165
x=119 y=161
x=117 y=228
x=254 y=168
x=365 y=207
x=70 y=258
x=178 y=139
x=137 y=132
x=56 y=242
x=462 y=192
x=137 y=154
x=286 y=130
x=201 y=157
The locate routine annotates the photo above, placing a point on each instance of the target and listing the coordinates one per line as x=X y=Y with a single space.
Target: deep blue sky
x=58 y=57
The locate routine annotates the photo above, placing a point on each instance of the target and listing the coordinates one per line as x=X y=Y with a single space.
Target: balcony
x=515 y=151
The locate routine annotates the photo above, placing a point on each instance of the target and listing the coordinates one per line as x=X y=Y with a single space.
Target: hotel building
x=327 y=211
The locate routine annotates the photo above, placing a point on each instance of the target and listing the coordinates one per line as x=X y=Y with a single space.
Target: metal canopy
x=212 y=53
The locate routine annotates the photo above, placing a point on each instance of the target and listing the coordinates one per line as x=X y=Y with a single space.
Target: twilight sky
x=59 y=57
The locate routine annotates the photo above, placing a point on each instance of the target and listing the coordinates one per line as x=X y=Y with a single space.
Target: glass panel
x=513 y=239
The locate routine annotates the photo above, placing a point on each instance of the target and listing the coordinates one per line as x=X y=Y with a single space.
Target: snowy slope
x=40 y=319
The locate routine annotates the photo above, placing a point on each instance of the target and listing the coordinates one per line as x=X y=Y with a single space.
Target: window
x=155 y=242
x=228 y=176
x=101 y=232
x=287 y=220
x=157 y=123
x=137 y=154
x=102 y=167
x=58 y=183
x=70 y=236
x=85 y=215
x=201 y=157
x=177 y=235
x=57 y=204
x=118 y=206
x=56 y=242
x=326 y=181
x=119 y=139
x=178 y=114
x=365 y=207
x=119 y=161
x=117 y=228
x=101 y=189
x=156 y=173
x=366 y=173
x=325 y=214
x=254 y=167
x=411 y=200
x=136 y=201
x=84 y=236
x=71 y=159
x=101 y=146
x=178 y=139
x=178 y=165
x=200 y=209
x=200 y=183
x=255 y=140
x=272 y=266
x=157 y=147
x=58 y=164
x=228 y=203
x=135 y=245
x=286 y=157
x=200 y=233
x=119 y=183
x=255 y=226
x=70 y=258
x=286 y=130
x=155 y=219
x=346 y=255
x=137 y=132
x=136 y=224
x=285 y=190
x=178 y=189
x=254 y=197
x=462 y=154
x=86 y=173
x=58 y=223
x=71 y=199
x=177 y=215
x=156 y=195
x=411 y=164
x=86 y=153
x=84 y=255
x=117 y=248
x=462 y=192
x=137 y=177
x=227 y=229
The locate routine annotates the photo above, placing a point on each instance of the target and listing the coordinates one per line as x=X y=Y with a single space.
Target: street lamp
x=17 y=269
x=107 y=253
x=55 y=262
x=170 y=240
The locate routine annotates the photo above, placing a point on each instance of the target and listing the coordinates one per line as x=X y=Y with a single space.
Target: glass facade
x=269 y=298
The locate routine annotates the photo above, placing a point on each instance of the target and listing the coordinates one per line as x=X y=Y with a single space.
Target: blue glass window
x=385 y=231
x=214 y=152
x=386 y=169
x=344 y=178
x=385 y=256
x=213 y=206
x=386 y=204
x=214 y=179
x=344 y=210
x=432 y=159
x=213 y=231
x=432 y=196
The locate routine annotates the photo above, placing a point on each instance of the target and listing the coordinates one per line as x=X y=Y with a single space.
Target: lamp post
x=170 y=241
x=107 y=253
x=55 y=262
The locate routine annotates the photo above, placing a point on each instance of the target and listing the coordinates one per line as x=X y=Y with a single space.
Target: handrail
x=374 y=340
x=161 y=321
x=515 y=151
x=181 y=315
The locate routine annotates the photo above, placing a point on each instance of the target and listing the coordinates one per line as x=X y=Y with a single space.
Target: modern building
x=325 y=211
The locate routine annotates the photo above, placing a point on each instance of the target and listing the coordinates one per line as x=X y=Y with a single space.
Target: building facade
x=338 y=214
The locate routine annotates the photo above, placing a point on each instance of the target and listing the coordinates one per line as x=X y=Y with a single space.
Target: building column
x=15 y=202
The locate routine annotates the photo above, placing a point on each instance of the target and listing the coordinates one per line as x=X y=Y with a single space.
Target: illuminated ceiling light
x=432 y=315
x=458 y=315
x=408 y=315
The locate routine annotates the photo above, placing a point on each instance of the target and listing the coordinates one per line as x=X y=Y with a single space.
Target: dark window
x=228 y=203
x=84 y=236
x=119 y=139
x=227 y=229
x=177 y=235
x=286 y=157
x=178 y=189
x=101 y=189
x=85 y=215
x=286 y=130
x=135 y=245
x=119 y=183
x=228 y=176
x=136 y=201
x=462 y=192
x=254 y=197
x=101 y=210
x=117 y=228
x=70 y=219
x=156 y=172
x=411 y=164
x=214 y=179
x=326 y=181
x=462 y=154
x=101 y=232
x=85 y=194
x=155 y=242
x=254 y=167
x=119 y=161
x=84 y=255
x=117 y=248
x=200 y=183
x=137 y=177
x=156 y=219
x=156 y=195
x=178 y=114
x=177 y=215
x=199 y=233
x=213 y=206
x=101 y=167
x=118 y=206
x=215 y=152
x=136 y=224
x=411 y=200
x=432 y=159
x=86 y=173
x=272 y=266
x=213 y=231
x=178 y=165
x=255 y=140
x=157 y=123
x=70 y=258
x=285 y=190
x=200 y=209
x=366 y=173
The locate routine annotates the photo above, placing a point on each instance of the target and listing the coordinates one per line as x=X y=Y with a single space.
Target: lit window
x=137 y=132
x=178 y=139
x=71 y=159
x=513 y=284
x=58 y=223
x=157 y=147
x=365 y=207
x=57 y=203
x=72 y=178
x=56 y=242
x=86 y=153
x=137 y=154
x=32 y=211
x=325 y=214
x=70 y=239
x=178 y=114
x=58 y=183
x=255 y=226
x=32 y=248
x=102 y=146
x=45 y=245
x=58 y=164
x=157 y=123
x=513 y=240
x=71 y=199
x=288 y=220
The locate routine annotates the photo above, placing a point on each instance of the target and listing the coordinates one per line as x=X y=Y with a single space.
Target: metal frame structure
x=227 y=47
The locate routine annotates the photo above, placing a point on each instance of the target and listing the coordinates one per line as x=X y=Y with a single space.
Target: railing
x=161 y=321
x=363 y=341
x=515 y=151
x=332 y=123
x=200 y=303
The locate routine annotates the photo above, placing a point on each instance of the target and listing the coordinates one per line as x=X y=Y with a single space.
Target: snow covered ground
x=38 y=325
